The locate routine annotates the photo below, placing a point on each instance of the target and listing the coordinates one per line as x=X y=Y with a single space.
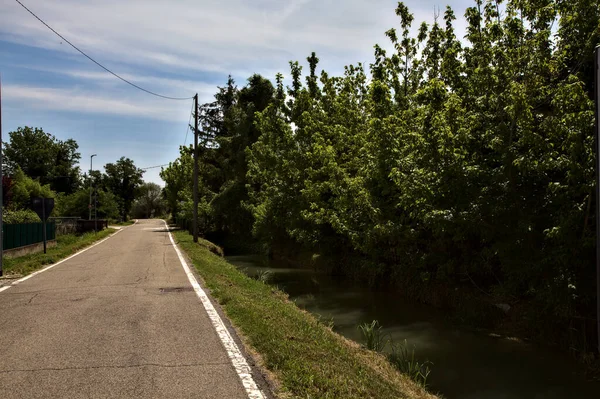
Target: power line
x=187 y=128
x=97 y=63
x=184 y=143
x=153 y=167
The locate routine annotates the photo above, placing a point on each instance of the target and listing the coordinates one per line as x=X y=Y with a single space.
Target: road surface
x=119 y=320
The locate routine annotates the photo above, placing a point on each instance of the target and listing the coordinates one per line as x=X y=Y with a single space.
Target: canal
x=466 y=364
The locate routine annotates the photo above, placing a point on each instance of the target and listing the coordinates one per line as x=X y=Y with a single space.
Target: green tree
x=149 y=202
x=453 y=164
x=76 y=204
x=23 y=188
x=240 y=132
x=123 y=179
x=178 y=178
x=41 y=155
x=19 y=190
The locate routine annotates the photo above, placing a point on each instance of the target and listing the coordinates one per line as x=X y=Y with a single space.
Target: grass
x=305 y=357
x=66 y=245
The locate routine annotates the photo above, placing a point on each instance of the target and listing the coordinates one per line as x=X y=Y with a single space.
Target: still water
x=466 y=365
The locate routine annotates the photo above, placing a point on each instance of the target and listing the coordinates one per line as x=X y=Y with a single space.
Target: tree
x=237 y=132
x=150 y=202
x=76 y=204
x=41 y=155
x=23 y=188
x=459 y=165
x=178 y=180
x=19 y=189
x=123 y=179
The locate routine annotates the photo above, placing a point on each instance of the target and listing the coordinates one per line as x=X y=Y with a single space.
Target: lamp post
x=90 y=204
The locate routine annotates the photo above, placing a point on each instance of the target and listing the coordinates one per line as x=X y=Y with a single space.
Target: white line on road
x=58 y=263
x=237 y=359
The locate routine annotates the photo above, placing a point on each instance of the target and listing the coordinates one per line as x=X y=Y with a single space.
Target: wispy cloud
x=170 y=86
x=74 y=100
x=207 y=35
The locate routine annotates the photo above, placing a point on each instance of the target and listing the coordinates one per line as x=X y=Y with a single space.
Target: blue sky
x=177 y=48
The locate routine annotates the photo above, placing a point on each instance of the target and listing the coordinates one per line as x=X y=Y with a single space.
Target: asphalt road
x=117 y=321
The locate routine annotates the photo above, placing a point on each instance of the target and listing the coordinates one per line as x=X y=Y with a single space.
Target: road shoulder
x=259 y=374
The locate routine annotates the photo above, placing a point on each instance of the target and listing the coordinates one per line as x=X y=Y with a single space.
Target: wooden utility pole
x=597 y=95
x=44 y=222
x=195 y=223
x=96 y=209
x=90 y=203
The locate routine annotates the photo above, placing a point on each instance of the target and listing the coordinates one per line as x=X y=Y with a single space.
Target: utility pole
x=1 y=192
x=96 y=209
x=90 y=204
x=195 y=223
x=597 y=95
x=44 y=221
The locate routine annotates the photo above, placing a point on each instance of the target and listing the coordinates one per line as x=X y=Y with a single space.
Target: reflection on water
x=467 y=365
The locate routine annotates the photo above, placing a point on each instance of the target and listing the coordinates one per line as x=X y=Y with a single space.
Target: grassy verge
x=305 y=357
x=65 y=245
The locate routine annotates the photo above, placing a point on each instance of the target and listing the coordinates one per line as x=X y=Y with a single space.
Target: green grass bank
x=66 y=245
x=304 y=357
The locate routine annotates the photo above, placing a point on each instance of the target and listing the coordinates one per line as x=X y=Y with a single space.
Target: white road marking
x=237 y=359
x=59 y=262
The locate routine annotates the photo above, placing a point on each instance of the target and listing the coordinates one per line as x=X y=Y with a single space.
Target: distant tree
x=123 y=179
x=99 y=180
x=41 y=155
x=76 y=204
x=149 y=202
x=178 y=180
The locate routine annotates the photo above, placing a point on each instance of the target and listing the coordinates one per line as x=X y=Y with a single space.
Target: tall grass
x=372 y=336
x=404 y=360
x=264 y=276
x=400 y=355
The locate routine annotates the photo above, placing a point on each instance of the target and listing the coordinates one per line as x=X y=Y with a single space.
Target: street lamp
x=90 y=204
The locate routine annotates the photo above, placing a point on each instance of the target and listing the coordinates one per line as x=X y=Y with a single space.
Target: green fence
x=20 y=235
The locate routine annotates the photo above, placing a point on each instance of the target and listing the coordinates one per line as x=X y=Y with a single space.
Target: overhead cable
x=99 y=64
x=153 y=167
x=187 y=129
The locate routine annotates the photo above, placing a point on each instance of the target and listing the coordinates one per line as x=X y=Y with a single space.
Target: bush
x=11 y=216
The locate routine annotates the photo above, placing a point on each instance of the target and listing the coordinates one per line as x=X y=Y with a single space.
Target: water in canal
x=467 y=365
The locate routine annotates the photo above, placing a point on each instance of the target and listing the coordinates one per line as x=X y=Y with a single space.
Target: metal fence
x=20 y=235
x=65 y=225
x=185 y=224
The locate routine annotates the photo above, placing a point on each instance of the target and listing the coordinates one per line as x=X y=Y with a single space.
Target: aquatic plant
x=404 y=359
x=372 y=335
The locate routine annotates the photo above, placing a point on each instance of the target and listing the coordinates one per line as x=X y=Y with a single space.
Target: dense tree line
x=442 y=161
x=38 y=164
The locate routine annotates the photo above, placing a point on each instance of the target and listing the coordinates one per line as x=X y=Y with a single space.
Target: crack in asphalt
x=125 y=366
x=31 y=299
x=71 y=288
